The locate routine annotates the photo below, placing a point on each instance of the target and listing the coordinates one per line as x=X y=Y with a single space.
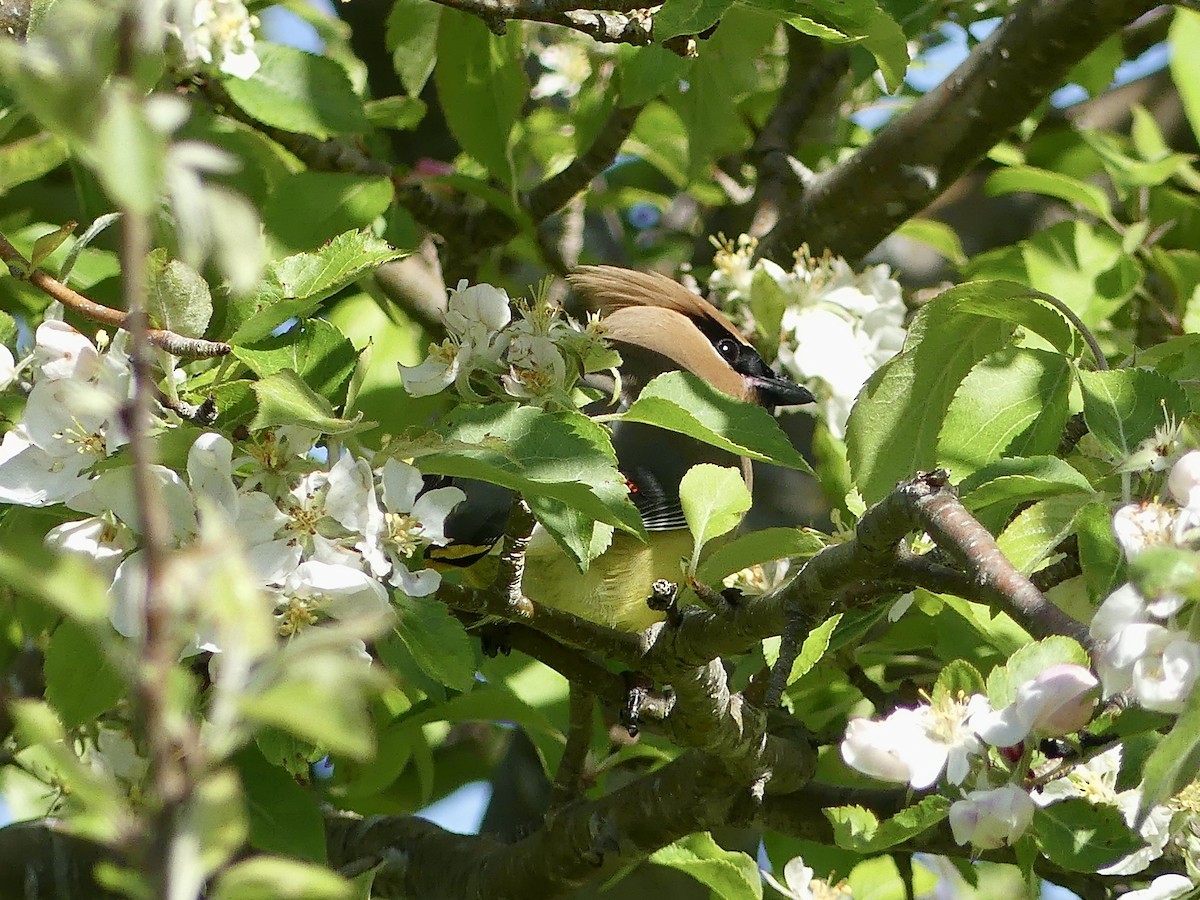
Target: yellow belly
x=614 y=589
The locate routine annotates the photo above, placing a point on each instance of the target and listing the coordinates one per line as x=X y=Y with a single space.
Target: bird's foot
x=494 y=640
x=637 y=690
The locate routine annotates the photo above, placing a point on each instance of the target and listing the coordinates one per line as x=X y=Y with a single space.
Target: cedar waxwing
x=657 y=326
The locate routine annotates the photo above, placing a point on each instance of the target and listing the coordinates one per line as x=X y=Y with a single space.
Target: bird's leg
x=663 y=597
x=637 y=690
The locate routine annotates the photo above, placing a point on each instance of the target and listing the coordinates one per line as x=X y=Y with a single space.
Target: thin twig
x=1088 y=337
x=568 y=780
x=175 y=344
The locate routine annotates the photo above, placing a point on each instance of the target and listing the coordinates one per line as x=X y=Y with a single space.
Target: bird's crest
x=607 y=289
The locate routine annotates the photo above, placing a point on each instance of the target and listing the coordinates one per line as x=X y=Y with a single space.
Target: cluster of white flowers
x=536 y=357
x=949 y=737
x=321 y=541
x=1140 y=646
x=220 y=33
x=1096 y=782
x=837 y=326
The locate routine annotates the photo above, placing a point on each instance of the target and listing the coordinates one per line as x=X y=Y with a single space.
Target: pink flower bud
x=1061 y=699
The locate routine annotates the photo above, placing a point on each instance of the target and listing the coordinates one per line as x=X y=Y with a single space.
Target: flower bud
x=991 y=818
x=1061 y=699
x=1058 y=701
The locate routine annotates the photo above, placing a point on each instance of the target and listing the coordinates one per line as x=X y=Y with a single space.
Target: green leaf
x=812 y=651
x=1015 y=402
x=756 y=547
x=295 y=286
x=130 y=156
x=1084 y=266
x=1011 y=481
x=714 y=500
x=1123 y=406
x=278 y=878
x=858 y=829
x=678 y=17
x=563 y=456
x=8 y=329
x=48 y=243
x=1028 y=179
x=681 y=402
x=28 y=159
x=214 y=821
x=1032 y=536
x=1099 y=554
x=958 y=679
x=398 y=113
x=177 y=298
x=938 y=235
x=299 y=91
x=81 y=682
x=895 y=423
x=645 y=72
x=1028 y=663
x=581 y=536
x=1184 y=35
x=1175 y=760
x=437 y=641
x=284 y=817
x=307 y=209
x=320 y=702
x=314 y=349
x=1081 y=837
x=860 y=21
x=411 y=38
x=728 y=874
x=71 y=586
x=283 y=399
x=481 y=85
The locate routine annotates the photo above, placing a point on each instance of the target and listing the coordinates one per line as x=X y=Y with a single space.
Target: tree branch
x=854 y=205
x=625 y=22
x=175 y=344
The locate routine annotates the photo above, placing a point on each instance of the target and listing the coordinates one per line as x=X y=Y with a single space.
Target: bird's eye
x=728 y=348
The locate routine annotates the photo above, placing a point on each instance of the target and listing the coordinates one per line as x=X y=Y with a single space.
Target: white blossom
x=8 y=367
x=1164 y=887
x=1184 y=480
x=101 y=541
x=221 y=32
x=475 y=319
x=1143 y=524
x=799 y=883
x=411 y=523
x=1136 y=650
x=917 y=745
x=567 y=68
x=991 y=818
x=837 y=327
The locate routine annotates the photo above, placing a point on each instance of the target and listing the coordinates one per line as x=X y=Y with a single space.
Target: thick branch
x=853 y=206
x=584 y=842
x=175 y=344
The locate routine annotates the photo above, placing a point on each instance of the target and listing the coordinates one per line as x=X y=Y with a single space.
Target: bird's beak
x=778 y=390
